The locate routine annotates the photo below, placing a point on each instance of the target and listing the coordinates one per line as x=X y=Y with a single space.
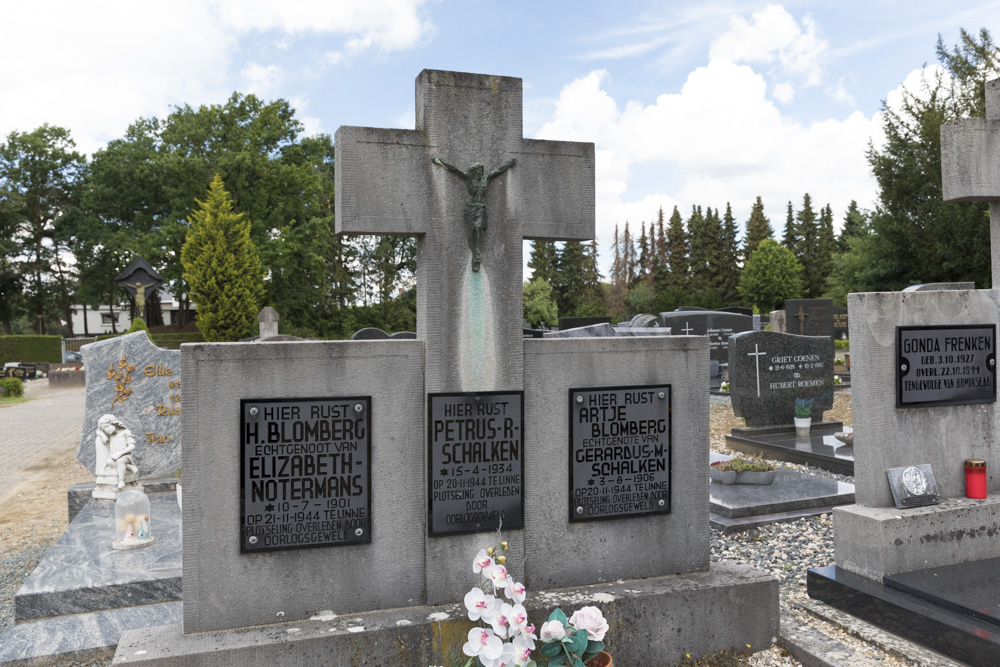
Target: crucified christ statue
x=476 y=183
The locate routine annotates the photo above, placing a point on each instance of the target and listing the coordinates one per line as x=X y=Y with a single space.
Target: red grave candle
x=975 y=478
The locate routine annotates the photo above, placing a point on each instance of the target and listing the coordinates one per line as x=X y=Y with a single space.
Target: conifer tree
x=826 y=245
x=789 y=238
x=701 y=241
x=568 y=285
x=222 y=267
x=543 y=261
x=592 y=302
x=807 y=249
x=629 y=261
x=855 y=225
x=758 y=229
x=728 y=275
x=644 y=264
x=661 y=240
x=618 y=289
x=677 y=255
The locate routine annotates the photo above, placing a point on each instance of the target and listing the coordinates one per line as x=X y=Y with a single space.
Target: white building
x=98 y=322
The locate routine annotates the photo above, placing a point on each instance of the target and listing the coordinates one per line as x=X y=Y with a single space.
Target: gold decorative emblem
x=122 y=379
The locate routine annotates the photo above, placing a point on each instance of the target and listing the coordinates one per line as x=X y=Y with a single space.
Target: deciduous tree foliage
x=222 y=267
x=771 y=276
x=539 y=304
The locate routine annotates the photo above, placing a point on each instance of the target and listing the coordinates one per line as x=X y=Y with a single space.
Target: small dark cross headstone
x=802 y=316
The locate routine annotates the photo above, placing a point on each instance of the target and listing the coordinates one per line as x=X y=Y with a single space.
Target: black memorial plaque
x=305 y=478
x=946 y=365
x=475 y=447
x=619 y=452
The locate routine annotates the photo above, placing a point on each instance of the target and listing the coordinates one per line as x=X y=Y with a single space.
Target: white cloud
x=260 y=80
x=784 y=92
x=723 y=138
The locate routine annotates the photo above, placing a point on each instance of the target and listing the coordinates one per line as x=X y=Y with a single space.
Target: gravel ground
x=784 y=550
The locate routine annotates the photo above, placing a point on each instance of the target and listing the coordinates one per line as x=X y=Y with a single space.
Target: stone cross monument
x=386 y=183
x=970 y=164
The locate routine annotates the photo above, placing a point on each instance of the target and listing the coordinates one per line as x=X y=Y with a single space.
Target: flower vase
x=802 y=426
x=602 y=659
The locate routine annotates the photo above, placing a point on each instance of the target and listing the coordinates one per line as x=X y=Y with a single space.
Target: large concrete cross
x=970 y=165
x=471 y=321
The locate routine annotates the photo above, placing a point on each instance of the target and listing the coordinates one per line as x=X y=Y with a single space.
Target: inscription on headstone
x=945 y=365
x=840 y=328
x=717 y=325
x=619 y=452
x=305 y=473
x=476 y=459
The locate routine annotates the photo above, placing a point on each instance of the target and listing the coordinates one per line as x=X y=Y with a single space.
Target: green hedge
x=12 y=387
x=25 y=349
x=839 y=344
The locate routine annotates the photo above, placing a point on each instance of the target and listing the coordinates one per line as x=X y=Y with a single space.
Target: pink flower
x=483 y=643
x=478 y=603
x=516 y=592
x=552 y=630
x=517 y=618
x=482 y=562
x=592 y=620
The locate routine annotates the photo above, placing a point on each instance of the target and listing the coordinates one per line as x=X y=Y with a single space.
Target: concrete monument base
x=876 y=541
x=653 y=621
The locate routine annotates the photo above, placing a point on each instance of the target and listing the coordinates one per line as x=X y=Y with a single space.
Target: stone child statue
x=116 y=470
x=475 y=206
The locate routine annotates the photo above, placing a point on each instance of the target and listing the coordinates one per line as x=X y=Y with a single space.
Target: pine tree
x=826 y=245
x=855 y=225
x=677 y=255
x=644 y=265
x=592 y=302
x=568 y=284
x=222 y=267
x=661 y=240
x=629 y=260
x=618 y=289
x=807 y=249
x=543 y=261
x=758 y=229
x=728 y=275
x=789 y=240
x=701 y=242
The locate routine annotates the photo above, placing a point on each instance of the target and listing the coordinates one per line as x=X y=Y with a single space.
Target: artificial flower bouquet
x=505 y=638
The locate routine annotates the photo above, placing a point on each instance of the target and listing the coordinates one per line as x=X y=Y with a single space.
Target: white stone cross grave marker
x=970 y=164
x=756 y=355
x=471 y=321
x=687 y=329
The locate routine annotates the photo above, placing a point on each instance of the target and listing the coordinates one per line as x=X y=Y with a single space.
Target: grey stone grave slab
x=81 y=572
x=602 y=330
x=643 y=320
x=717 y=325
x=933 y=287
x=140 y=384
x=79 y=494
x=809 y=317
x=267 y=322
x=768 y=371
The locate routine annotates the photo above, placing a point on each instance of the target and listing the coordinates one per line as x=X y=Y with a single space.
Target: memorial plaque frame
x=906 y=366
x=575 y=516
x=514 y=523
x=352 y=538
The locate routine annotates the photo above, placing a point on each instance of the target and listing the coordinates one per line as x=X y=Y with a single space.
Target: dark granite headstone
x=690 y=308
x=370 y=333
x=739 y=310
x=809 y=317
x=769 y=370
x=644 y=320
x=404 y=335
x=840 y=322
x=715 y=324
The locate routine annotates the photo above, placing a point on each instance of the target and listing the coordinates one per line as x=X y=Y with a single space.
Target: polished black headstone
x=476 y=462
x=715 y=324
x=305 y=473
x=370 y=333
x=574 y=322
x=820 y=448
x=769 y=370
x=619 y=452
x=972 y=588
x=840 y=328
x=739 y=310
x=809 y=317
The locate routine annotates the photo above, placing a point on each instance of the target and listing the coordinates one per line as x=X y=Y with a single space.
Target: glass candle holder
x=975 y=478
x=132 y=521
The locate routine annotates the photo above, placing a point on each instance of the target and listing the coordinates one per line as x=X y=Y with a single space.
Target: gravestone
x=809 y=317
x=932 y=287
x=841 y=329
x=575 y=322
x=139 y=383
x=370 y=333
x=778 y=321
x=267 y=322
x=465 y=368
x=717 y=325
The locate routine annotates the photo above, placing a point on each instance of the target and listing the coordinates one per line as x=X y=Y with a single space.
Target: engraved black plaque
x=305 y=477
x=619 y=452
x=946 y=365
x=476 y=457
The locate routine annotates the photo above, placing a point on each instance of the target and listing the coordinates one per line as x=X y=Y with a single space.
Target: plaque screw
x=478 y=399
x=253 y=539
x=904 y=367
x=992 y=361
x=579 y=510
x=253 y=411
x=579 y=399
x=662 y=395
x=662 y=503
x=359 y=407
x=359 y=532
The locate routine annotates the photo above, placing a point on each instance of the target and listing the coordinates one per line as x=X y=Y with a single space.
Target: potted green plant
x=803 y=416
x=742 y=471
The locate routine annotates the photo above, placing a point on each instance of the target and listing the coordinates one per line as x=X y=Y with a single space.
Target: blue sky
x=687 y=102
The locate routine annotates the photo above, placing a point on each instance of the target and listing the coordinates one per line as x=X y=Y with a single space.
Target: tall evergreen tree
x=544 y=261
x=789 y=238
x=703 y=240
x=758 y=229
x=855 y=225
x=644 y=265
x=728 y=275
x=223 y=268
x=826 y=246
x=677 y=255
x=618 y=289
x=592 y=303
x=629 y=259
x=569 y=281
x=807 y=248
x=661 y=239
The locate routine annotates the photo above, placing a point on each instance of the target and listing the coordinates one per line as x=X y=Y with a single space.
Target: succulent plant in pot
x=742 y=471
x=803 y=416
